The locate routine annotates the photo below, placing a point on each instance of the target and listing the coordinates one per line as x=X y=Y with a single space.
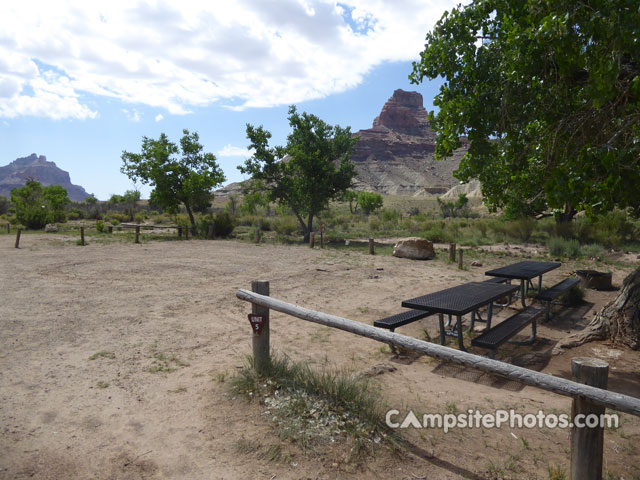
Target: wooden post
x=569 y=388
x=460 y=252
x=312 y=239
x=321 y=235
x=256 y=233
x=110 y=228
x=82 y=235
x=18 y=238
x=586 y=443
x=452 y=252
x=261 y=355
x=8 y=228
x=371 y=247
x=179 y=231
x=137 y=233
x=210 y=232
x=186 y=233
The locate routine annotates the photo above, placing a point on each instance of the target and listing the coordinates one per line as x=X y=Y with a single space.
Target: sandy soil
x=141 y=310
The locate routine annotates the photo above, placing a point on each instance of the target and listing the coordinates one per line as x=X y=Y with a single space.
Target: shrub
x=100 y=226
x=223 y=224
x=561 y=247
x=74 y=215
x=593 y=250
x=285 y=225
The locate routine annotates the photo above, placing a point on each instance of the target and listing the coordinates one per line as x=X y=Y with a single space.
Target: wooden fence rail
x=605 y=398
x=586 y=443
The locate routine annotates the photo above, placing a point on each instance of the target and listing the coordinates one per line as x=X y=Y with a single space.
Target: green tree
x=115 y=199
x=4 y=205
x=370 y=202
x=56 y=200
x=548 y=94
x=351 y=197
x=130 y=198
x=311 y=170
x=188 y=179
x=36 y=206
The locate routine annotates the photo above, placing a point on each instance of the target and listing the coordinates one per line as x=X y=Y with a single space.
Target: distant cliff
x=38 y=168
x=396 y=156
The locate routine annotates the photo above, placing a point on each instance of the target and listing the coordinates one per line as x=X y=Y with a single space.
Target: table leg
x=539 y=284
x=489 y=315
x=523 y=292
x=460 y=333
x=441 y=321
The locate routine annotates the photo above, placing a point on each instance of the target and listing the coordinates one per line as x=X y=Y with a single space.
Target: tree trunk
x=567 y=215
x=618 y=321
x=308 y=228
x=193 y=221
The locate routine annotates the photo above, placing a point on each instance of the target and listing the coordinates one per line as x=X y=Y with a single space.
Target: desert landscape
x=117 y=358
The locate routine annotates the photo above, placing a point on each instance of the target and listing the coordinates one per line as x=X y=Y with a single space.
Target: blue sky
x=82 y=81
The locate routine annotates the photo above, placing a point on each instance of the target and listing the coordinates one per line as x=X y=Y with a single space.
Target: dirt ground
x=115 y=361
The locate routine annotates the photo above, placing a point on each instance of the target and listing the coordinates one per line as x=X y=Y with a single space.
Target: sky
x=82 y=81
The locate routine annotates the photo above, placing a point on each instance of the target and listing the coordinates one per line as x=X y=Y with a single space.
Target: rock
x=396 y=156
x=476 y=263
x=51 y=228
x=415 y=249
x=378 y=369
x=37 y=167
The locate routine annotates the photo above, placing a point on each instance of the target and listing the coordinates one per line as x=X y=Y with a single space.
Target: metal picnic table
x=524 y=271
x=458 y=301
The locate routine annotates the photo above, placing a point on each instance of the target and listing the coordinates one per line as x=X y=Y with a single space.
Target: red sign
x=257 y=322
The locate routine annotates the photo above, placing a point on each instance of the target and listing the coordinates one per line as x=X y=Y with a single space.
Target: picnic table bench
x=400 y=319
x=552 y=293
x=497 y=335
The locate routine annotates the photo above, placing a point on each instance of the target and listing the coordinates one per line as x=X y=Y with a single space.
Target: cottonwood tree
x=37 y=205
x=178 y=174
x=548 y=94
x=312 y=169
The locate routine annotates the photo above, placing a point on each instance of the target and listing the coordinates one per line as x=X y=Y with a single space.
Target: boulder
x=415 y=249
x=51 y=228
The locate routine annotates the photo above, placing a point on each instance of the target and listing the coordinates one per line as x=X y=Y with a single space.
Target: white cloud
x=158 y=117
x=231 y=151
x=132 y=115
x=181 y=56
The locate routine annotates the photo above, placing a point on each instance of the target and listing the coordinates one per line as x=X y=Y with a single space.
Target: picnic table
x=460 y=300
x=524 y=271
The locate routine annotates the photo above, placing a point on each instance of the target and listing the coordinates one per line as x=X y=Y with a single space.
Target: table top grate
x=527 y=269
x=461 y=299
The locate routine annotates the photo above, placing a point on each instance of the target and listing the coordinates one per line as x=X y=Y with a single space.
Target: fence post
x=586 y=443
x=460 y=252
x=179 y=231
x=137 y=233
x=312 y=239
x=371 y=247
x=8 y=228
x=18 y=238
x=322 y=235
x=186 y=232
x=210 y=233
x=82 y=235
x=261 y=356
x=452 y=252
x=110 y=228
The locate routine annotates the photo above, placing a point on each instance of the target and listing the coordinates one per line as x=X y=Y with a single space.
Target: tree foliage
x=4 y=205
x=548 y=94
x=311 y=170
x=37 y=205
x=370 y=201
x=186 y=179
